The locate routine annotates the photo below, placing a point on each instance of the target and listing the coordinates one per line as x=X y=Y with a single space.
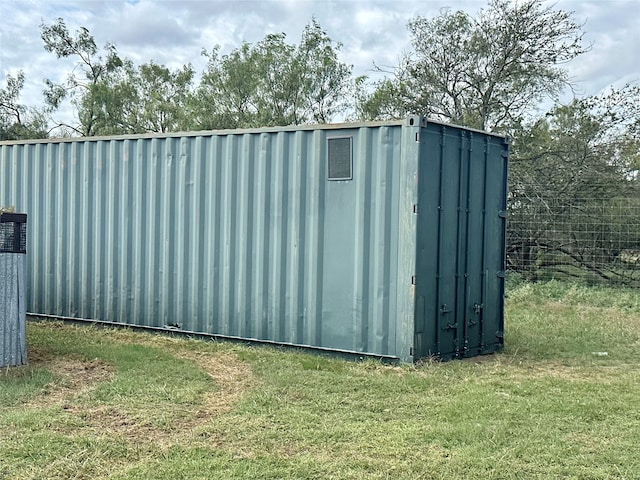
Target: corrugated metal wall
x=13 y=347
x=461 y=242
x=237 y=233
x=242 y=234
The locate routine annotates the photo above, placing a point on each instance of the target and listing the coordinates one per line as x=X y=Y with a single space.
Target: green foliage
x=389 y=99
x=485 y=72
x=574 y=188
x=274 y=83
x=580 y=150
x=269 y=83
x=150 y=98
x=17 y=121
x=110 y=95
x=86 y=82
x=163 y=95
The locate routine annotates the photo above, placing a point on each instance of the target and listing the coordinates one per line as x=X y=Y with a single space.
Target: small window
x=340 y=158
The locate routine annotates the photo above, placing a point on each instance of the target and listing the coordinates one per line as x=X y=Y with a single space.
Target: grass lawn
x=562 y=401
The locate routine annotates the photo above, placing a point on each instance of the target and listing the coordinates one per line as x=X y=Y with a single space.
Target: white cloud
x=612 y=28
x=173 y=32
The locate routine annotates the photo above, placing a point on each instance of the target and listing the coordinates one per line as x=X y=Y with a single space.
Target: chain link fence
x=593 y=241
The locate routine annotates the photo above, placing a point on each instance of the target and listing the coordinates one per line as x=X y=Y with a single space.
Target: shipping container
x=382 y=238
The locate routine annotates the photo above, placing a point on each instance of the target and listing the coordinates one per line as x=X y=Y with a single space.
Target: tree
x=95 y=71
x=227 y=91
x=575 y=189
x=163 y=97
x=150 y=98
x=587 y=149
x=18 y=121
x=110 y=95
x=485 y=72
x=326 y=83
x=274 y=83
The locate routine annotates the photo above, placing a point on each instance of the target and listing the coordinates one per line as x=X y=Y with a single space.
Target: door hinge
x=413 y=280
x=415 y=208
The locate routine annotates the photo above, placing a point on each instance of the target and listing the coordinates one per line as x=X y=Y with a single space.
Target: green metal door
x=460 y=243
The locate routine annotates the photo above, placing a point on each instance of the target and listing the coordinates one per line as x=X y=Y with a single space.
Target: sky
x=174 y=32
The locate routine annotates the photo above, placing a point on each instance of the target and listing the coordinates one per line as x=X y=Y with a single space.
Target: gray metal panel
x=405 y=313
x=13 y=345
x=231 y=233
x=146 y=136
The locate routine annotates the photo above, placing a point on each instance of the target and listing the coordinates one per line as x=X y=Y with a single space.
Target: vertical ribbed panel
x=242 y=234
x=237 y=234
x=460 y=243
x=13 y=346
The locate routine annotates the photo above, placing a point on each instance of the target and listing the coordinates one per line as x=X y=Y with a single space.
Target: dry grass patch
x=179 y=423
x=233 y=377
x=78 y=384
x=73 y=378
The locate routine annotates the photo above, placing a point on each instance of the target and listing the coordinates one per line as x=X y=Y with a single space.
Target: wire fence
x=594 y=241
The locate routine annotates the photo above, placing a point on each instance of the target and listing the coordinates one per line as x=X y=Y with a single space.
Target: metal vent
x=13 y=233
x=340 y=158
